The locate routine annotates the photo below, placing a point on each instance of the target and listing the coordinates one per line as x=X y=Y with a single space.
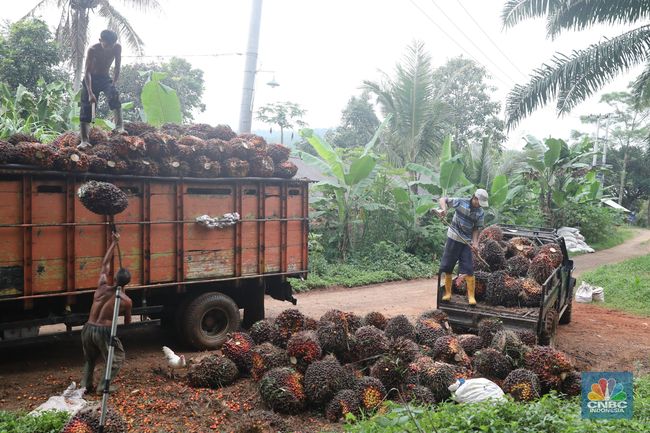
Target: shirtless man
x=96 y=333
x=96 y=80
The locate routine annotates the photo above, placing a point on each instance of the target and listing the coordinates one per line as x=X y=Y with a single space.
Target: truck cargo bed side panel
x=163 y=236
x=249 y=229
x=272 y=230
x=11 y=241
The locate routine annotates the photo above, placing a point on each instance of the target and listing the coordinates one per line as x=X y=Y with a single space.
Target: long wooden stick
x=471 y=247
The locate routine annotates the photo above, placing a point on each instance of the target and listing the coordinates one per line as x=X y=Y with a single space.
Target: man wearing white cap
x=464 y=230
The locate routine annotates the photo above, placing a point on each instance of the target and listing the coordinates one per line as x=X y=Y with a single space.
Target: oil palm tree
x=572 y=78
x=72 y=29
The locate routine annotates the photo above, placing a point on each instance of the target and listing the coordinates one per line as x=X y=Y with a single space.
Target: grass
x=20 y=422
x=551 y=413
x=626 y=284
x=619 y=236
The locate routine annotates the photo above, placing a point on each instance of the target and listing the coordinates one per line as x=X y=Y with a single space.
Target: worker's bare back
x=101 y=312
x=100 y=59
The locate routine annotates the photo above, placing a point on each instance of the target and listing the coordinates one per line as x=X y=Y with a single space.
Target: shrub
x=595 y=222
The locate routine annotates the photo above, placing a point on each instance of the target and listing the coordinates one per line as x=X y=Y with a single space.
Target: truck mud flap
x=280 y=290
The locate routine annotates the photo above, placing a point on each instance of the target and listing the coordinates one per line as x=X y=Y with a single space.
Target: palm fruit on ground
x=470 y=343
x=262 y=331
x=288 y=322
x=403 y=349
x=241 y=149
x=531 y=293
x=509 y=343
x=541 y=267
x=512 y=288
x=437 y=376
x=528 y=337
x=550 y=365
x=235 y=167
x=87 y=420
x=554 y=251
x=343 y=403
x=370 y=342
x=259 y=421
x=572 y=384
x=376 y=319
x=390 y=371
x=493 y=254
x=261 y=167
x=239 y=349
x=517 y=266
x=371 y=392
x=102 y=198
x=173 y=129
x=41 y=155
x=303 y=348
x=201 y=130
x=335 y=338
x=496 y=292
x=97 y=135
x=70 y=159
x=448 y=349
x=491 y=364
x=522 y=385
x=160 y=145
x=128 y=146
x=204 y=167
x=285 y=170
x=492 y=232
x=418 y=394
x=521 y=246
x=213 y=372
x=282 y=390
x=323 y=379
x=488 y=328
x=427 y=331
x=175 y=167
x=68 y=139
x=21 y=138
x=266 y=357
x=138 y=128
x=278 y=152
x=224 y=132
x=400 y=326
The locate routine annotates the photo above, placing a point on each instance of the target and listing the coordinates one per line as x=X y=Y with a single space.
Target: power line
x=471 y=41
x=453 y=40
x=490 y=39
x=185 y=55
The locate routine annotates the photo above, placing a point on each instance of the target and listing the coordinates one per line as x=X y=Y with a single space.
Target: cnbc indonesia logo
x=607 y=395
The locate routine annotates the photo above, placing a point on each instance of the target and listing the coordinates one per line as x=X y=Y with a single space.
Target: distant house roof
x=612 y=203
x=308 y=171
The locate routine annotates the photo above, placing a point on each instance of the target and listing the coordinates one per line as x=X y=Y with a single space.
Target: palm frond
x=573 y=78
x=143 y=5
x=39 y=5
x=641 y=86
x=119 y=24
x=515 y=11
x=580 y=14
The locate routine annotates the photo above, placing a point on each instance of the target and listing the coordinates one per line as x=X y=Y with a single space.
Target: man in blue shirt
x=465 y=227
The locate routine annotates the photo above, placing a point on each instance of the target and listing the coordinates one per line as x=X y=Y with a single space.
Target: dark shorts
x=100 y=83
x=457 y=252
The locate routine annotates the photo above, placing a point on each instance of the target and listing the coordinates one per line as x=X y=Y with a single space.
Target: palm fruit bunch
x=87 y=420
x=541 y=268
x=400 y=326
x=68 y=139
x=509 y=343
x=448 y=349
x=323 y=379
x=479 y=265
x=311 y=324
x=278 y=153
x=239 y=349
x=519 y=246
x=303 y=348
x=550 y=365
x=343 y=403
x=437 y=376
x=261 y=167
x=461 y=372
x=213 y=372
x=572 y=383
x=531 y=293
x=128 y=146
x=437 y=315
x=517 y=266
x=335 y=338
x=528 y=337
x=522 y=385
x=487 y=329
x=350 y=321
x=172 y=166
x=224 y=132
x=480 y=285
x=187 y=153
x=266 y=357
x=242 y=149
x=511 y=289
x=285 y=170
x=173 y=129
x=255 y=140
x=217 y=150
x=496 y=292
x=370 y=392
x=287 y=323
x=21 y=138
x=470 y=343
x=427 y=331
x=492 y=232
x=97 y=164
x=201 y=130
x=403 y=350
x=192 y=145
x=259 y=421
x=353 y=321
x=262 y=331
x=204 y=167
x=418 y=394
x=144 y=167
x=491 y=364
x=102 y=198
x=138 y=128
x=70 y=159
x=42 y=155
x=235 y=167
x=97 y=136
x=370 y=342
x=160 y=145
x=283 y=391
x=491 y=251
x=390 y=372
x=8 y=154
x=554 y=252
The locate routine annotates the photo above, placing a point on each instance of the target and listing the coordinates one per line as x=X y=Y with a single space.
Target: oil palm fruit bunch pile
x=87 y=421
x=195 y=150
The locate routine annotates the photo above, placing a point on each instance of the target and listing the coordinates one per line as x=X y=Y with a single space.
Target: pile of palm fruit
x=196 y=150
x=345 y=363
x=512 y=272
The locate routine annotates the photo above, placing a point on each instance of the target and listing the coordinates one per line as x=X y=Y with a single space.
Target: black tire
x=206 y=320
x=254 y=308
x=547 y=335
x=566 y=316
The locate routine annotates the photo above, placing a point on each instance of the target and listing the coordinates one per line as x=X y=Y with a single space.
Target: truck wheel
x=207 y=320
x=566 y=316
x=547 y=335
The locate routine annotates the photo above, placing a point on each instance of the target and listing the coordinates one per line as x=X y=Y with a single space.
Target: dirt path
x=639 y=245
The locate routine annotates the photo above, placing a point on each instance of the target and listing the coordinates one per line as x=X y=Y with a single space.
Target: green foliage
x=287 y=115
x=46 y=422
x=160 y=102
x=615 y=237
x=551 y=413
x=358 y=124
x=596 y=222
x=626 y=285
x=28 y=53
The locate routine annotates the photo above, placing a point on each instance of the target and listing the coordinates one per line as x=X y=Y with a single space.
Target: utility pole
x=246 y=111
x=594 y=160
x=605 y=142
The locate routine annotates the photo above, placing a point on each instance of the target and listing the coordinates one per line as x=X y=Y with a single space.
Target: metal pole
x=246 y=110
x=605 y=148
x=594 y=160
x=109 y=359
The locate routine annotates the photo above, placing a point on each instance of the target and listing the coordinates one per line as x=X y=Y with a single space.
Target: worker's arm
x=443 y=205
x=125 y=306
x=106 y=261
x=477 y=230
x=475 y=234
x=118 y=63
x=90 y=64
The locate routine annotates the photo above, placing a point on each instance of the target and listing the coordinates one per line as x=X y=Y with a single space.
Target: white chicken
x=173 y=361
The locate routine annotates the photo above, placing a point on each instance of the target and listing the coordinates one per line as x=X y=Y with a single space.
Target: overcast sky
x=321 y=51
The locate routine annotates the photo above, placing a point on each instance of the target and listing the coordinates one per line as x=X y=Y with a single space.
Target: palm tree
x=72 y=29
x=572 y=78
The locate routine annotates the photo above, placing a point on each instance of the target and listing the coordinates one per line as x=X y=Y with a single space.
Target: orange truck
x=192 y=278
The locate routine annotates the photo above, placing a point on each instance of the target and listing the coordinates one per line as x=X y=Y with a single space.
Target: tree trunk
x=648 y=211
x=281 y=135
x=623 y=173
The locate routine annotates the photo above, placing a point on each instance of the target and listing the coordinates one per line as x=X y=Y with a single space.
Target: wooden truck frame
x=194 y=279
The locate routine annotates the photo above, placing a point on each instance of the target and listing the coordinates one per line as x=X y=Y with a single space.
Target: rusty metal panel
x=11 y=239
x=163 y=236
x=272 y=229
x=131 y=234
x=91 y=242
x=249 y=229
